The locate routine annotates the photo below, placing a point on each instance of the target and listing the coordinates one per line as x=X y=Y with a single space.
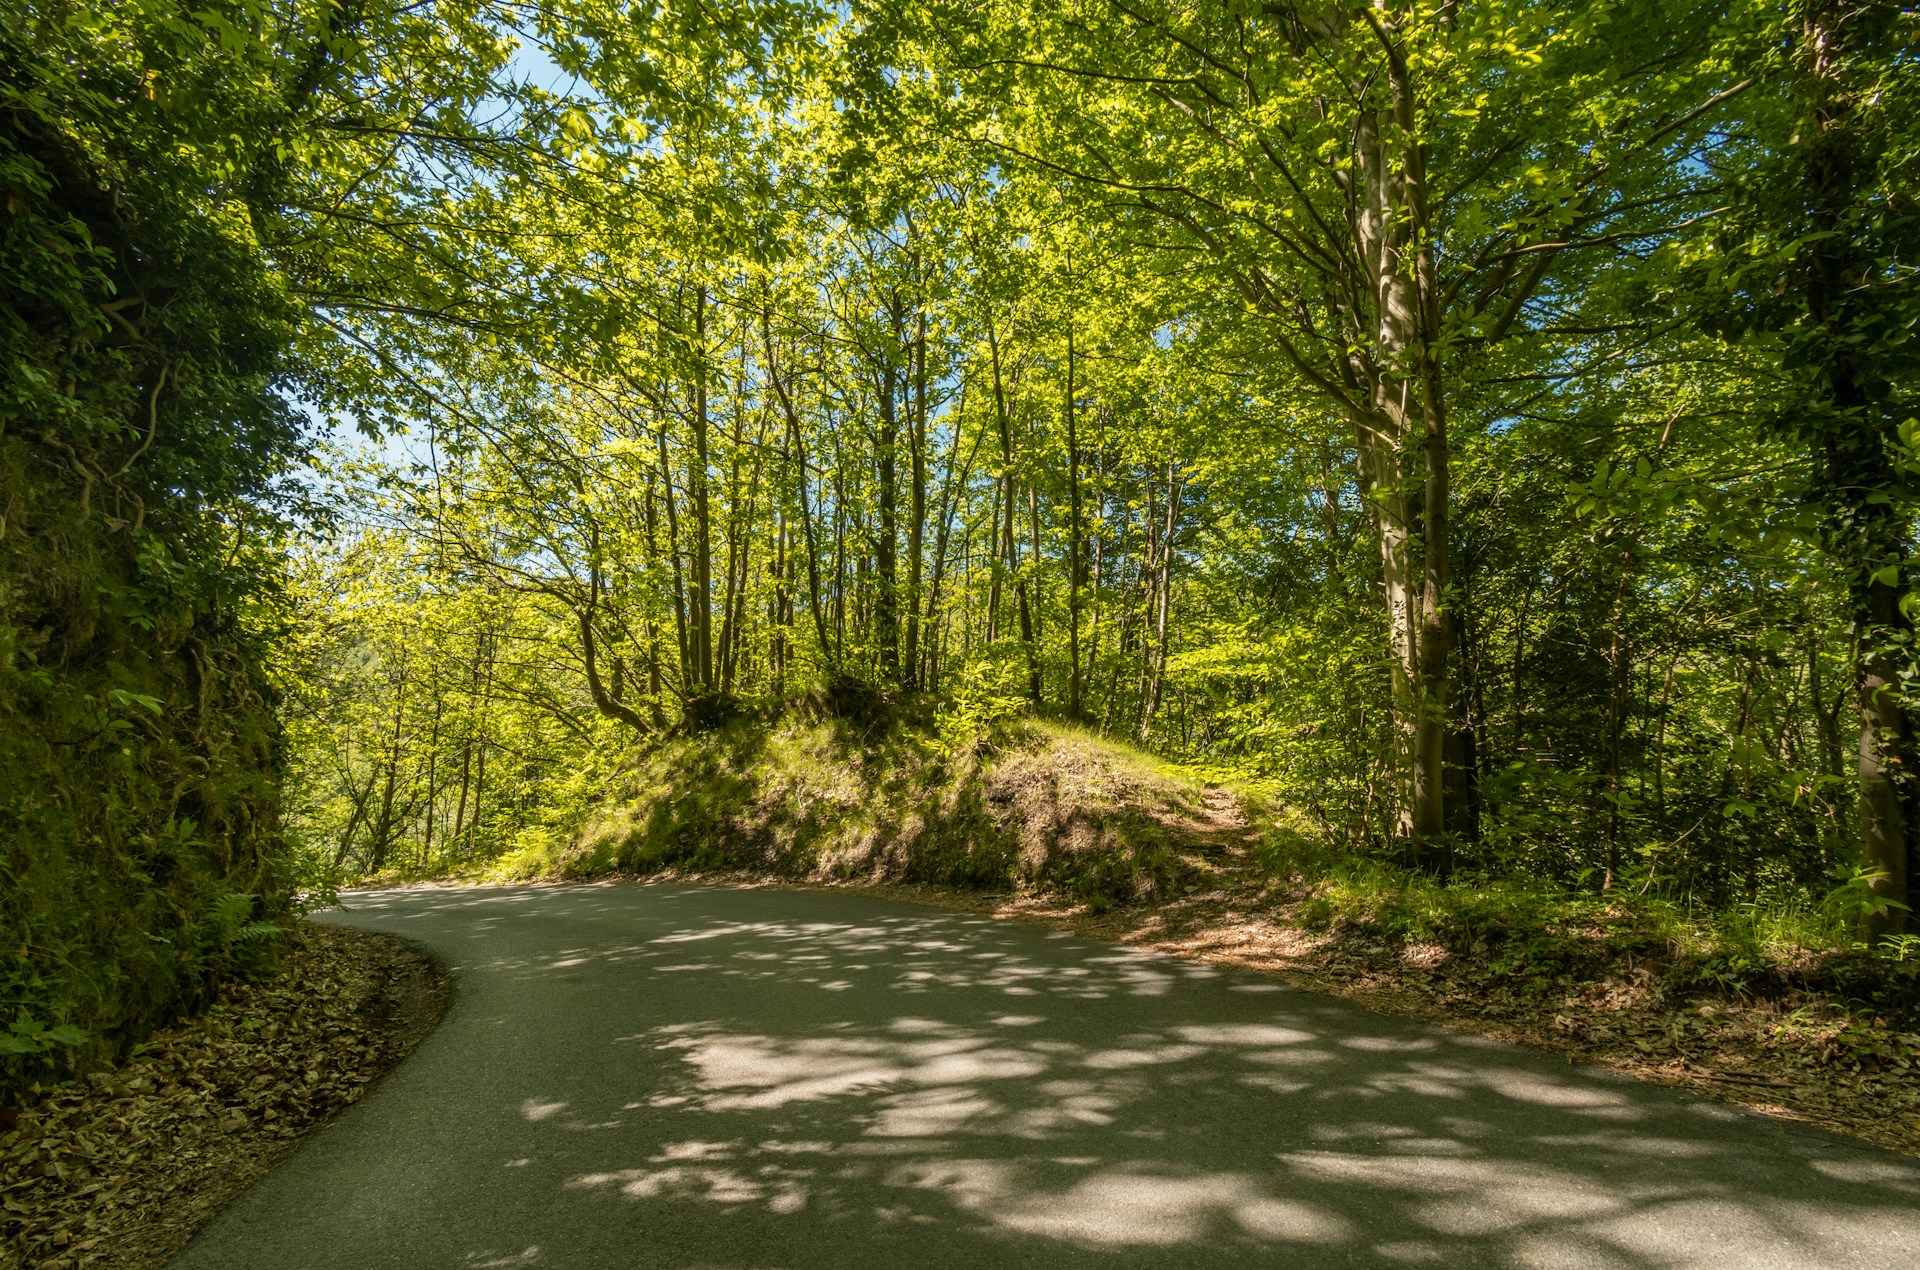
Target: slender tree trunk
x=433 y=773
x=1660 y=737
x=738 y=539
x=1076 y=537
x=953 y=488
x=1164 y=586
x=1619 y=664
x=742 y=511
x=359 y=800
x=466 y=786
x=479 y=795
x=480 y=743
x=682 y=628
x=1833 y=756
x=654 y=685
x=1026 y=586
x=1136 y=612
x=917 y=498
x=839 y=564
x=700 y=610
x=797 y=453
x=886 y=609
x=606 y=702
x=994 y=570
x=466 y=749
x=380 y=840
x=1009 y=544
x=1096 y=553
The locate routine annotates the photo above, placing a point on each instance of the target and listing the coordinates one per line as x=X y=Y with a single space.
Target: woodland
x=1488 y=430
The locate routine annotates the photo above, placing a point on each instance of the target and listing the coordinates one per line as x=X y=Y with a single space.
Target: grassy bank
x=1539 y=936
x=1026 y=806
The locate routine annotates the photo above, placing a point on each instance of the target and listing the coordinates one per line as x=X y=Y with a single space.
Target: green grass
x=1543 y=935
x=1019 y=806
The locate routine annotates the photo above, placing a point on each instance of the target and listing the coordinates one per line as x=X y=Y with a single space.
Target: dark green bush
x=140 y=857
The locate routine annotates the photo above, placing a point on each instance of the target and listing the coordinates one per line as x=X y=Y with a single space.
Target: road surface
x=708 y=1078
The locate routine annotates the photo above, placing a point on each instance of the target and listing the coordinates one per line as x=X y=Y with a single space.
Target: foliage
x=140 y=855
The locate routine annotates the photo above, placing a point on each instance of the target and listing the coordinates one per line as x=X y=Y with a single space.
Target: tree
x=1320 y=165
x=1820 y=264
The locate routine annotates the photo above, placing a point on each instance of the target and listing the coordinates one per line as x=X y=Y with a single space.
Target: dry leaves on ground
x=119 y=1170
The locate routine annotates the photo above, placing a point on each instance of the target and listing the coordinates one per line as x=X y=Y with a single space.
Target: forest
x=1487 y=430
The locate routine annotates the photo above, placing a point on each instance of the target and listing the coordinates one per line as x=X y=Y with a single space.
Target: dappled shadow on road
x=942 y=1089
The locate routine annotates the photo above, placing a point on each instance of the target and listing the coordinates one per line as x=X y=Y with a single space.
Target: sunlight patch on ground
x=748 y=1072
x=1129 y=1204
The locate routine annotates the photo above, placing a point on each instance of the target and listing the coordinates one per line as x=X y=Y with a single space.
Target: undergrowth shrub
x=1541 y=935
x=140 y=855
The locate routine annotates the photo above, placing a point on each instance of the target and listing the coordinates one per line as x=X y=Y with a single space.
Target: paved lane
x=676 y=1076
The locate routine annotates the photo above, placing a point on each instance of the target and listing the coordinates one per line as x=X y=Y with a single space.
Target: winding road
x=701 y=1077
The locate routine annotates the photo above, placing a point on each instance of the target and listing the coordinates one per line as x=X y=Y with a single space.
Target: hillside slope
x=1031 y=807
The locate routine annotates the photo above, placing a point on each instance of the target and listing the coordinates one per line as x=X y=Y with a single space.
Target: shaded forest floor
x=120 y=1170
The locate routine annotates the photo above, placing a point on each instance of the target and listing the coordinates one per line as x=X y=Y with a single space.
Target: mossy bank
x=1024 y=806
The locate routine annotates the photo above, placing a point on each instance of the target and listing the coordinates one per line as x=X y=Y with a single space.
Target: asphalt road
x=639 y=1076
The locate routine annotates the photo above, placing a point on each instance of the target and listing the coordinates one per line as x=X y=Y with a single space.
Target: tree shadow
x=707 y=1077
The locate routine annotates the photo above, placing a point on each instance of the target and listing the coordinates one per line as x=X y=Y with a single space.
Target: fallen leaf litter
x=116 y=1172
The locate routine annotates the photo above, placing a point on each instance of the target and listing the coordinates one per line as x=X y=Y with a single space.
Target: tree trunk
x=916 y=500
x=1619 y=667
x=381 y=838
x=1076 y=534
x=480 y=744
x=1403 y=442
x=952 y=489
x=654 y=684
x=479 y=794
x=839 y=563
x=433 y=774
x=1871 y=537
x=466 y=787
x=700 y=608
x=1163 y=584
x=1010 y=545
x=682 y=628
x=886 y=608
x=607 y=703
x=797 y=453
x=994 y=561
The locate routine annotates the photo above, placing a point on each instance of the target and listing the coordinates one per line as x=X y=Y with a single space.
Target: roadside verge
x=119 y=1170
